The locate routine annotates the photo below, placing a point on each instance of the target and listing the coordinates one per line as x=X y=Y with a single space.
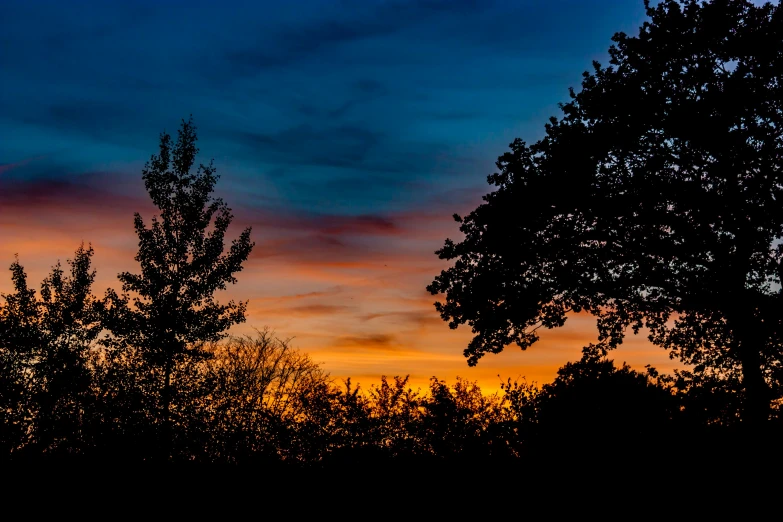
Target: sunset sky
x=346 y=134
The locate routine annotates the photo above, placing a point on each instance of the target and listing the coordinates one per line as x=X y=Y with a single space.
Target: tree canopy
x=654 y=201
x=168 y=311
x=182 y=256
x=44 y=352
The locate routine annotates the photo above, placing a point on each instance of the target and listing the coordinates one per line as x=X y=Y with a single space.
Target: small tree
x=258 y=386
x=655 y=201
x=171 y=310
x=591 y=402
x=44 y=351
x=18 y=342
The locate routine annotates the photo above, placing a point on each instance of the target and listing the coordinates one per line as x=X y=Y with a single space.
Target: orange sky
x=349 y=291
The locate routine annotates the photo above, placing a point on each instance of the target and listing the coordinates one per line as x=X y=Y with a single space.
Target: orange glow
x=349 y=292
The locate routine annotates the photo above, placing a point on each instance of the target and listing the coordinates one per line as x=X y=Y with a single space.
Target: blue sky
x=334 y=107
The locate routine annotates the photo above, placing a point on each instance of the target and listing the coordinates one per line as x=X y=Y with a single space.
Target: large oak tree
x=656 y=200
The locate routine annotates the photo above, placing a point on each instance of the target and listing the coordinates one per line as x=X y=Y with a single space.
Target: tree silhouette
x=18 y=343
x=591 y=402
x=44 y=347
x=397 y=411
x=257 y=386
x=183 y=263
x=458 y=419
x=655 y=201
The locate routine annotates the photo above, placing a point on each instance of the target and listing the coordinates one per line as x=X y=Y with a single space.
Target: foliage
x=591 y=402
x=44 y=348
x=168 y=311
x=257 y=390
x=654 y=201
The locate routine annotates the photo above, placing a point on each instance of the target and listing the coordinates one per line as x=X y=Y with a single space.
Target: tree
x=592 y=401
x=398 y=411
x=656 y=201
x=17 y=345
x=171 y=312
x=258 y=386
x=459 y=419
x=44 y=348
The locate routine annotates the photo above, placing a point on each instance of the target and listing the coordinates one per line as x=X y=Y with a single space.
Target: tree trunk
x=748 y=332
x=749 y=340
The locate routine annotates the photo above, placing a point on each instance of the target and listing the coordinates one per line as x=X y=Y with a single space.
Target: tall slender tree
x=171 y=311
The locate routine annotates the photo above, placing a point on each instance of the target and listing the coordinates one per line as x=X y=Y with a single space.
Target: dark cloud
x=341 y=146
x=43 y=192
x=354 y=24
x=323 y=239
x=330 y=292
x=419 y=318
x=320 y=309
x=369 y=86
x=382 y=341
x=102 y=121
x=295 y=44
x=376 y=225
x=323 y=224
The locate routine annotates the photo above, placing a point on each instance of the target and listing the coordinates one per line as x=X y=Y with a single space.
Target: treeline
x=69 y=390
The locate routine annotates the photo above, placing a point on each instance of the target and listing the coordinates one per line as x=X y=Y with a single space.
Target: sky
x=346 y=134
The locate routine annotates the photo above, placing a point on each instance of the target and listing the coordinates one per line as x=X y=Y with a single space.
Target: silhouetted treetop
x=168 y=311
x=182 y=254
x=44 y=350
x=656 y=197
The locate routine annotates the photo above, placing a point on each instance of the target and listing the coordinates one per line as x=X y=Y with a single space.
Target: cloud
x=320 y=309
x=54 y=194
x=301 y=311
x=343 y=146
x=297 y=43
x=380 y=341
x=339 y=225
x=418 y=318
x=352 y=25
x=309 y=295
x=8 y=167
x=89 y=195
x=111 y=121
